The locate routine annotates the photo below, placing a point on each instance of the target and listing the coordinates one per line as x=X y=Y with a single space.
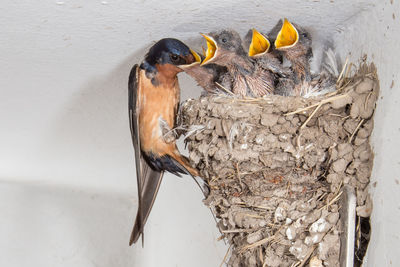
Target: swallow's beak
x=287 y=36
x=259 y=44
x=196 y=56
x=211 y=49
x=197 y=60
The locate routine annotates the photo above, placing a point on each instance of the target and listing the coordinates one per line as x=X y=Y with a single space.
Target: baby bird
x=295 y=44
x=248 y=78
x=212 y=78
x=260 y=49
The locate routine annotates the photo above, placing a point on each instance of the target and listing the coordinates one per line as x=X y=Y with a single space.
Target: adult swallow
x=248 y=78
x=153 y=103
x=295 y=44
x=211 y=77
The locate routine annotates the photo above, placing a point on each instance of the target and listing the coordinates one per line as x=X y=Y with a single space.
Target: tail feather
x=137 y=229
x=150 y=183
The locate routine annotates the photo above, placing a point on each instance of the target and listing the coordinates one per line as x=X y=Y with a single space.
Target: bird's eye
x=224 y=40
x=304 y=34
x=174 y=57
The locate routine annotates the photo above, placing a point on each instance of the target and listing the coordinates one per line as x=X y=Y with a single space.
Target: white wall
x=376 y=32
x=67 y=182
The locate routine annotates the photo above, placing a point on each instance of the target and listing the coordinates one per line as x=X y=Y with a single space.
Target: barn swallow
x=295 y=43
x=153 y=103
x=248 y=78
x=211 y=77
x=262 y=51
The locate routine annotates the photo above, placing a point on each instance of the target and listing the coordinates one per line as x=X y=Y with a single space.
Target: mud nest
x=276 y=167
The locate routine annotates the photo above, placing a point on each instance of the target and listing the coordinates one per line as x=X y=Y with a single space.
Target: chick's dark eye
x=224 y=40
x=174 y=57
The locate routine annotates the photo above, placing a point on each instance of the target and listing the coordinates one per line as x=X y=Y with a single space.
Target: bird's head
x=293 y=37
x=222 y=46
x=170 y=54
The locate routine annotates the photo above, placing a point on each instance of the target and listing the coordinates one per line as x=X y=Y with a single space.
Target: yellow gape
x=259 y=44
x=287 y=36
x=211 y=48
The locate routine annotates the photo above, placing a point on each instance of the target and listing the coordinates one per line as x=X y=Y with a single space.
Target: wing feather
x=148 y=180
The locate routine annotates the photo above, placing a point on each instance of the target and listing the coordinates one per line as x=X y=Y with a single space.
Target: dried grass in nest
x=276 y=166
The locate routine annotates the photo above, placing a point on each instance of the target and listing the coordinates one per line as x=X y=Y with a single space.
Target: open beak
x=287 y=36
x=259 y=44
x=211 y=49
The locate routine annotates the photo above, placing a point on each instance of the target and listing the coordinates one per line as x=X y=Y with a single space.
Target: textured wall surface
x=376 y=32
x=67 y=182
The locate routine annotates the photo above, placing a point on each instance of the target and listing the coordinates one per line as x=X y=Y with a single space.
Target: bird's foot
x=168 y=134
x=169 y=137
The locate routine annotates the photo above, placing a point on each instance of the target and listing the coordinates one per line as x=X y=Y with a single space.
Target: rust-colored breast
x=156 y=102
